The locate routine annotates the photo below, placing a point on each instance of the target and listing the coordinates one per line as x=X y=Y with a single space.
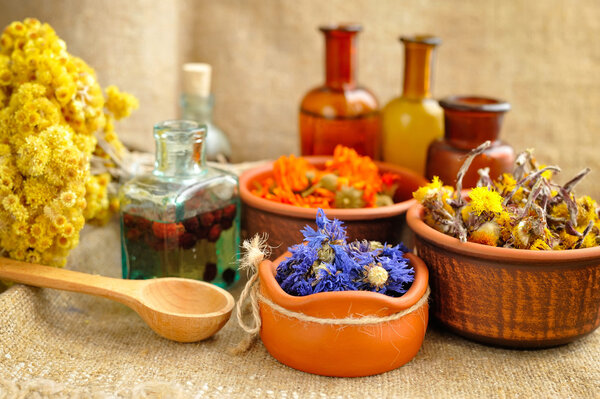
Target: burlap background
x=65 y=345
x=541 y=56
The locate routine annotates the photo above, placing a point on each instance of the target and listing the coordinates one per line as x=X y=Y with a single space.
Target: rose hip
x=214 y=233
x=191 y=225
x=206 y=219
x=229 y=211
x=218 y=214
x=210 y=272
x=187 y=240
x=167 y=230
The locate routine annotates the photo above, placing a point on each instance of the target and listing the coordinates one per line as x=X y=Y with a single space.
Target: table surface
x=58 y=344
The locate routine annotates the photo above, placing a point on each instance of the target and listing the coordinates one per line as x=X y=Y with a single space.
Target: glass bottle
x=470 y=121
x=411 y=121
x=197 y=104
x=183 y=218
x=340 y=111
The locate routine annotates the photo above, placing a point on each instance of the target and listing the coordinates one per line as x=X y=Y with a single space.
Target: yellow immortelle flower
x=51 y=108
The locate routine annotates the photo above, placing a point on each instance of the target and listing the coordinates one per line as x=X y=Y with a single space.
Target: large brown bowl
x=283 y=222
x=509 y=297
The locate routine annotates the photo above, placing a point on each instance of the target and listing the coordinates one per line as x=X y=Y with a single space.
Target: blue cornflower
x=329 y=279
x=326 y=262
x=297 y=267
x=327 y=230
x=383 y=268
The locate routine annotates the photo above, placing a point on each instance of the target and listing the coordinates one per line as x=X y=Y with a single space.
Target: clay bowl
x=509 y=297
x=346 y=350
x=283 y=222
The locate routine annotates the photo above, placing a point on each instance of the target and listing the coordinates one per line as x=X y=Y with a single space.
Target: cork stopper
x=196 y=79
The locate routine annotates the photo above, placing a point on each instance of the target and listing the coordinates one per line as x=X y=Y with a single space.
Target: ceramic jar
x=343 y=350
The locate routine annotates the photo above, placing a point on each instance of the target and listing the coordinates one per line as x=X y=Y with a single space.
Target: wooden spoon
x=179 y=309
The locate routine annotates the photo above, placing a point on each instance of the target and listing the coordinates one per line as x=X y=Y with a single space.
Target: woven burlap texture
x=64 y=345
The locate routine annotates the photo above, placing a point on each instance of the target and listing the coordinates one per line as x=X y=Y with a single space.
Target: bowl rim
x=268 y=269
x=414 y=219
x=309 y=213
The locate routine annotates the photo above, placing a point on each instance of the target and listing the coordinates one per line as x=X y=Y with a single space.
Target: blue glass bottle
x=183 y=218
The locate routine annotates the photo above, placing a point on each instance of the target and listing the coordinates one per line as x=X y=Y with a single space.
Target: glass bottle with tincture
x=340 y=111
x=183 y=218
x=470 y=121
x=197 y=103
x=413 y=120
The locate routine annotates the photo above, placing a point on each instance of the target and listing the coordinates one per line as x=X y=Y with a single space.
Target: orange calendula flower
x=348 y=180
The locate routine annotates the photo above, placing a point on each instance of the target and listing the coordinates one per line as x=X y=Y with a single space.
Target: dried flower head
x=524 y=209
x=326 y=262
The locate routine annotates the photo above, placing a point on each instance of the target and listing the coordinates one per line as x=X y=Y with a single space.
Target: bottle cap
x=196 y=79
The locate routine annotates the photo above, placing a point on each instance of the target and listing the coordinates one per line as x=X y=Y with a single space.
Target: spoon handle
x=123 y=291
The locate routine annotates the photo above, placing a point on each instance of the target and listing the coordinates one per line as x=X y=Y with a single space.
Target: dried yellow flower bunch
x=524 y=209
x=52 y=114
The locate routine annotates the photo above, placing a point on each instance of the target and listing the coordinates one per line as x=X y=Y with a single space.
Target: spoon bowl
x=184 y=310
x=178 y=309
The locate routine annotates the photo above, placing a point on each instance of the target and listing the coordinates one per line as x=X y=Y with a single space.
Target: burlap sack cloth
x=64 y=345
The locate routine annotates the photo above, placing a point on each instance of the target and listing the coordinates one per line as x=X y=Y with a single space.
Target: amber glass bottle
x=340 y=112
x=412 y=121
x=470 y=121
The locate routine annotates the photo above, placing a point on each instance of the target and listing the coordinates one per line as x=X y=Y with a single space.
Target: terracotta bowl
x=283 y=222
x=348 y=350
x=509 y=297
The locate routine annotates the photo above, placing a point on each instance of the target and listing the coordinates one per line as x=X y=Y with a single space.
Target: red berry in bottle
x=218 y=214
x=187 y=241
x=129 y=220
x=229 y=211
x=206 y=219
x=226 y=223
x=214 y=233
x=168 y=230
x=202 y=232
x=210 y=272
x=133 y=234
x=142 y=223
x=191 y=225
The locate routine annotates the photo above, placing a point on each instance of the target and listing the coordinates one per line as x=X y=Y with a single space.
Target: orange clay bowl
x=283 y=222
x=346 y=350
x=509 y=297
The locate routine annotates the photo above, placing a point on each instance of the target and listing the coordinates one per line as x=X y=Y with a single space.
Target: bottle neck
x=179 y=149
x=418 y=66
x=471 y=120
x=467 y=130
x=340 y=56
x=197 y=108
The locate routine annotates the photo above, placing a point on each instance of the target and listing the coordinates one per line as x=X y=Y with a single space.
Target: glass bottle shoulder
x=331 y=103
x=172 y=198
x=403 y=105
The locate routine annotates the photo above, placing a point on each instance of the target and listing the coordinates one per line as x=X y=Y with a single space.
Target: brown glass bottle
x=340 y=112
x=468 y=122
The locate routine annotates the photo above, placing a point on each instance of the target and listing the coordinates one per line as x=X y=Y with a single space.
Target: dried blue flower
x=327 y=230
x=326 y=262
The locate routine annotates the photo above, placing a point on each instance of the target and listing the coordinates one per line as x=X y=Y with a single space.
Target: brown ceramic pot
x=283 y=222
x=509 y=297
x=343 y=350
